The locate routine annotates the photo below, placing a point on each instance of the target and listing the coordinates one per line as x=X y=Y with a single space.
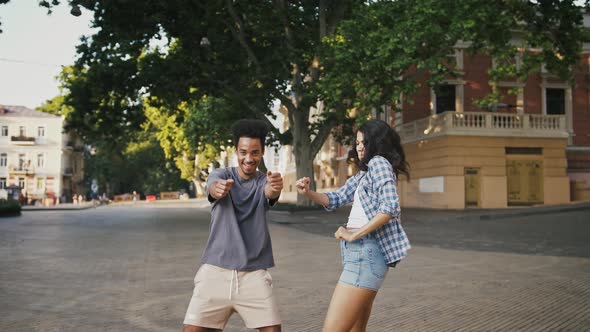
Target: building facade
x=37 y=156
x=532 y=148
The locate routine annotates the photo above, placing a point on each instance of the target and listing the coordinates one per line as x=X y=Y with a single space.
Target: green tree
x=137 y=162
x=57 y=105
x=331 y=56
x=139 y=165
x=380 y=53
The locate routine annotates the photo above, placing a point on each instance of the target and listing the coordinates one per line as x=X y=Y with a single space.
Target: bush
x=9 y=208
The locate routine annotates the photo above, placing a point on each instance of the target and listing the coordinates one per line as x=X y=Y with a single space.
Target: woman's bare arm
x=303 y=189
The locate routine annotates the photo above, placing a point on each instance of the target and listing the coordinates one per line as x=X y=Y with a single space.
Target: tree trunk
x=199 y=191
x=302 y=151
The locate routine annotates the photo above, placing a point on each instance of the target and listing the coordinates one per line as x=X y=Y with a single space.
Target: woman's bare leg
x=363 y=321
x=348 y=305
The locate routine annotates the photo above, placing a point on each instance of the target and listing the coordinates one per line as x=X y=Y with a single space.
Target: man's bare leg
x=274 y=328
x=192 y=328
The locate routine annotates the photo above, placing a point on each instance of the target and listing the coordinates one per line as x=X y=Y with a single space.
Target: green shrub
x=9 y=208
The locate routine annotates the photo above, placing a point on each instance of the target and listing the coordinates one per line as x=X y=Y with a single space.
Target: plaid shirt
x=378 y=194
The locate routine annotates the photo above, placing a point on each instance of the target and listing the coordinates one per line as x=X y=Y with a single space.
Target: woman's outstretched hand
x=303 y=185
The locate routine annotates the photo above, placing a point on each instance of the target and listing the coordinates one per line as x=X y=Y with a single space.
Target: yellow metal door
x=525 y=182
x=535 y=181
x=513 y=168
x=472 y=187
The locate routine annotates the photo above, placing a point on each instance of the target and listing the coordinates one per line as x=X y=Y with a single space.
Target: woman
x=373 y=239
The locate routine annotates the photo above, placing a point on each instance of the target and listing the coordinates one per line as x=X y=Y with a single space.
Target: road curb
x=531 y=211
x=56 y=208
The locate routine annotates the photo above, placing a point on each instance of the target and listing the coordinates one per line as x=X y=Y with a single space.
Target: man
x=233 y=276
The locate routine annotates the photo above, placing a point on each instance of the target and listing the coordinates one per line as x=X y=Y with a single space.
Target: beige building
x=534 y=148
x=37 y=156
x=485 y=160
x=467 y=160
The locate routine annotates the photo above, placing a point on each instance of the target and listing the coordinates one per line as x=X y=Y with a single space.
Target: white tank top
x=357 y=217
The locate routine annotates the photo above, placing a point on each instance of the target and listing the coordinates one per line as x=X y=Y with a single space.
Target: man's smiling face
x=249 y=152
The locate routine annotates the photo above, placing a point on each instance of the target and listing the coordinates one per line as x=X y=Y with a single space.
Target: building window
x=555 y=101
x=4 y=131
x=445 y=98
x=3 y=160
x=40 y=160
x=40 y=184
x=41 y=131
x=22 y=131
x=21 y=183
x=2 y=183
x=21 y=161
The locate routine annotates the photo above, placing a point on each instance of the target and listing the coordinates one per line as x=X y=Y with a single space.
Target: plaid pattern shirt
x=378 y=194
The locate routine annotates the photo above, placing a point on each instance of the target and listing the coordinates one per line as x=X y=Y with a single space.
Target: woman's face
x=360 y=145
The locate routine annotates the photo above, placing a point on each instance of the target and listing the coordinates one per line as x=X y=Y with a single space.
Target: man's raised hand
x=221 y=188
x=275 y=180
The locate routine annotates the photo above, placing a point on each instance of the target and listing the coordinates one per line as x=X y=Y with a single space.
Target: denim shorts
x=363 y=264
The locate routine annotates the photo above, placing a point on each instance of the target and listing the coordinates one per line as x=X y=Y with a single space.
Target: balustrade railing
x=484 y=124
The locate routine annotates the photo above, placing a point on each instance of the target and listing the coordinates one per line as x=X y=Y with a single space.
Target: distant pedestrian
x=373 y=239
x=233 y=276
x=94 y=196
x=134 y=196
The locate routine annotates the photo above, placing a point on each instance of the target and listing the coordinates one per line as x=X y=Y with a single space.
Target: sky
x=33 y=47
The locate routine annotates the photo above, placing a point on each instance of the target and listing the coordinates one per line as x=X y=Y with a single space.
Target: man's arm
x=274 y=186
x=219 y=189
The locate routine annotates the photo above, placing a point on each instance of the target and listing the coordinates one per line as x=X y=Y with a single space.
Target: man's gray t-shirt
x=238 y=236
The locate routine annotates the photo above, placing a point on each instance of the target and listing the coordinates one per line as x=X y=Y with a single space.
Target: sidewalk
x=340 y=215
x=195 y=202
x=60 y=207
x=486 y=214
x=408 y=212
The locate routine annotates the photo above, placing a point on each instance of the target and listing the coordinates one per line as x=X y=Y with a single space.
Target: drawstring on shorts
x=234 y=275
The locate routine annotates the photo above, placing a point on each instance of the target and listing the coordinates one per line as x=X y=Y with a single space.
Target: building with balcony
x=532 y=148
x=36 y=155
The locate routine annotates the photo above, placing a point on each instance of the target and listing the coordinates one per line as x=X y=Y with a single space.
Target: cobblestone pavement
x=548 y=231
x=130 y=268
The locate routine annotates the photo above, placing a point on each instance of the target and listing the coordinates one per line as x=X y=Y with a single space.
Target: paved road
x=548 y=231
x=130 y=268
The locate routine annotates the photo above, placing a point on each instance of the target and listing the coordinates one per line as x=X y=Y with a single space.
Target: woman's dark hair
x=381 y=140
x=249 y=128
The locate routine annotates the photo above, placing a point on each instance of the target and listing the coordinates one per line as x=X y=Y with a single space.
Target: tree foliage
x=184 y=63
x=134 y=162
x=140 y=165
x=378 y=55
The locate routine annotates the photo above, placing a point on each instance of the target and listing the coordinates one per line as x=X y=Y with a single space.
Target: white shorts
x=220 y=292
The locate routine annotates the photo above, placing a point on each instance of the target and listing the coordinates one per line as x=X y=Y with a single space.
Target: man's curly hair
x=249 y=128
